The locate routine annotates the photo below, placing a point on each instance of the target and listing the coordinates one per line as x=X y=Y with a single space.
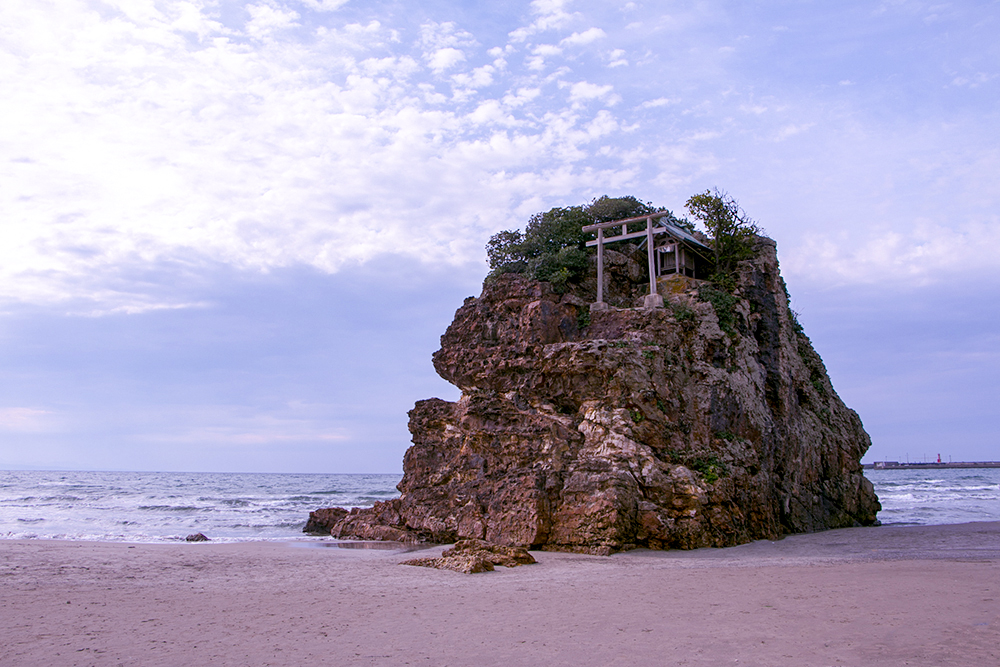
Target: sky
x=231 y=233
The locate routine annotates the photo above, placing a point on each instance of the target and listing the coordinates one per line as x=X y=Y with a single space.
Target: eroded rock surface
x=678 y=427
x=472 y=556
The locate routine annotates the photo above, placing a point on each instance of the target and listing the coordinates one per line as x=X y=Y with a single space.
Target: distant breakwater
x=935 y=465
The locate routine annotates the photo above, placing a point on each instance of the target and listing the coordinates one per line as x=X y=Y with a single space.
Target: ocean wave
x=170 y=508
x=164 y=507
x=947 y=496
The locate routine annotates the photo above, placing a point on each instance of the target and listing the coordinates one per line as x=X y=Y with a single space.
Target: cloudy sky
x=231 y=233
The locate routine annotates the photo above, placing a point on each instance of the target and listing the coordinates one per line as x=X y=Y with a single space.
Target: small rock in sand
x=471 y=556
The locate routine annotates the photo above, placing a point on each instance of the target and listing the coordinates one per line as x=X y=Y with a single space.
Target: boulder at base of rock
x=322 y=520
x=471 y=556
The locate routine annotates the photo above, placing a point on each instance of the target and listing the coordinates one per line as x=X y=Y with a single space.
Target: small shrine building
x=669 y=248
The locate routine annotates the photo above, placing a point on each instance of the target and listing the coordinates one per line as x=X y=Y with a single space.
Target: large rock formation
x=689 y=426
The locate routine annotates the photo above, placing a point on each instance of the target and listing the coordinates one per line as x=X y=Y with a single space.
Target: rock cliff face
x=678 y=427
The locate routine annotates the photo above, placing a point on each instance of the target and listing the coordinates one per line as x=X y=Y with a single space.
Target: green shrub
x=724 y=304
x=681 y=312
x=731 y=230
x=553 y=245
x=710 y=467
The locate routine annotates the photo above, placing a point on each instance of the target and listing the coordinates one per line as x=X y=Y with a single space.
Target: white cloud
x=324 y=5
x=603 y=125
x=401 y=67
x=584 y=90
x=791 y=130
x=265 y=20
x=441 y=42
x=477 y=78
x=158 y=133
x=521 y=96
x=491 y=112
x=658 y=102
x=918 y=255
x=546 y=50
x=445 y=58
x=291 y=151
x=551 y=14
x=586 y=37
x=540 y=53
x=617 y=58
x=435 y=36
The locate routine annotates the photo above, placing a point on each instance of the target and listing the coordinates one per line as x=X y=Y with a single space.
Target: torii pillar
x=652 y=300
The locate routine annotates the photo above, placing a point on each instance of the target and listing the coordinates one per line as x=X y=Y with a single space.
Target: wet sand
x=927 y=595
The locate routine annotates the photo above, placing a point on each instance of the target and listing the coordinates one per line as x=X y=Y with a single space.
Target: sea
x=168 y=506
x=240 y=507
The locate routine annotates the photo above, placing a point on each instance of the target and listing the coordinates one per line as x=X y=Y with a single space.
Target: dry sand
x=867 y=596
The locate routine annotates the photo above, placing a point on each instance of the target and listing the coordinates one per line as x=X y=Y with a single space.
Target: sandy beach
x=919 y=595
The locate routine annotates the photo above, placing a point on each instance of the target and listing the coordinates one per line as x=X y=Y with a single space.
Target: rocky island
x=707 y=422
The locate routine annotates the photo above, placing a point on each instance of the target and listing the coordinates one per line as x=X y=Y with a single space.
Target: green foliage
x=637 y=416
x=793 y=317
x=681 y=312
x=730 y=228
x=553 y=245
x=710 y=467
x=606 y=209
x=583 y=318
x=724 y=304
x=505 y=253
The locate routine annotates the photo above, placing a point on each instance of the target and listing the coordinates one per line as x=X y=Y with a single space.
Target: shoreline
x=887 y=595
x=931 y=465
x=325 y=540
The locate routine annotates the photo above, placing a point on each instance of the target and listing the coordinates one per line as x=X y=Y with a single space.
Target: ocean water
x=162 y=506
x=952 y=495
x=234 y=507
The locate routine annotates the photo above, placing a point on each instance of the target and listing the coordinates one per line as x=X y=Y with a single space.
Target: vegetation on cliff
x=552 y=248
x=731 y=230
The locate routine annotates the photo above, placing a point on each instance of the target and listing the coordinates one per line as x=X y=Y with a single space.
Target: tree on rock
x=553 y=245
x=730 y=228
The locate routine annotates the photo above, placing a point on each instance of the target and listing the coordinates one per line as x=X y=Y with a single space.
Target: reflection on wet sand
x=376 y=545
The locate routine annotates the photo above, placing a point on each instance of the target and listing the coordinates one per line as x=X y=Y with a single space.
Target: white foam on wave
x=946 y=496
x=164 y=507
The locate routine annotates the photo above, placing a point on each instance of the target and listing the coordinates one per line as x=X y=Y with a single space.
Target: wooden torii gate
x=652 y=300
